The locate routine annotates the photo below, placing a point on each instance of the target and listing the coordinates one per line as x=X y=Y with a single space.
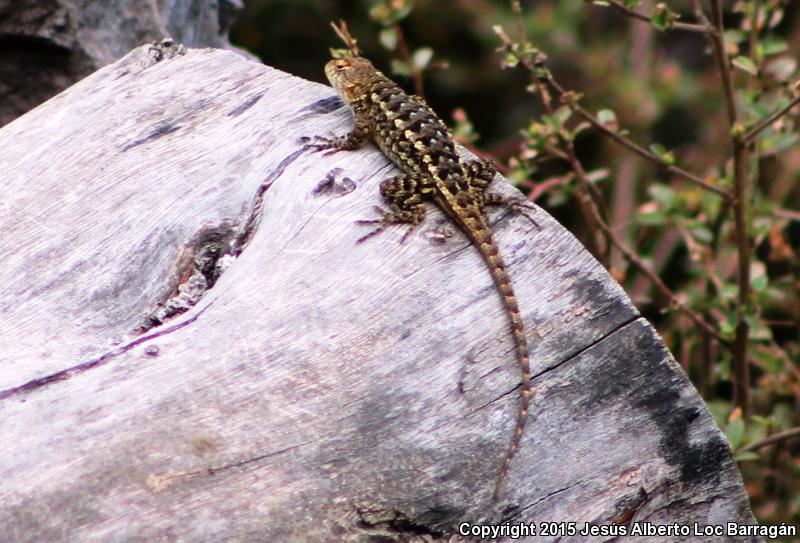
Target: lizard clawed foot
x=387 y=219
x=380 y=211
x=330 y=143
x=373 y=233
x=382 y=224
x=518 y=206
x=521 y=208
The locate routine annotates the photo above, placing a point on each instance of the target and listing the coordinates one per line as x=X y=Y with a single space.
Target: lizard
x=408 y=131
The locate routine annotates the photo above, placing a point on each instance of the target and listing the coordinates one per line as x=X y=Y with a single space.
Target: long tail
x=491 y=254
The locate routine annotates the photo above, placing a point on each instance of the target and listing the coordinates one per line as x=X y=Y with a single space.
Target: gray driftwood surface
x=319 y=390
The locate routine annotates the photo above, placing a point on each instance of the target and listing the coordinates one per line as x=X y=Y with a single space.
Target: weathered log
x=193 y=347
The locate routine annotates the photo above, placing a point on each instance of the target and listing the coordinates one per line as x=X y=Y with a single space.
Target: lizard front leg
x=405 y=194
x=355 y=139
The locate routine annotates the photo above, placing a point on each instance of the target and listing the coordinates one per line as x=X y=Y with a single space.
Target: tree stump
x=193 y=347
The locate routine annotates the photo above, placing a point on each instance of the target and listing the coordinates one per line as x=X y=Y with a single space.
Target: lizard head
x=350 y=77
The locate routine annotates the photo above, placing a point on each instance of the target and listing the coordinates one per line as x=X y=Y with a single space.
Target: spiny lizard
x=416 y=139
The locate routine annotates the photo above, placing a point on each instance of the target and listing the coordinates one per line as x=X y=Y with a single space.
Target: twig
x=770 y=440
x=536 y=66
x=586 y=205
x=617 y=137
x=718 y=48
x=740 y=213
x=636 y=148
x=517 y=8
x=416 y=76
x=344 y=34
x=754 y=28
x=765 y=123
x=691 y=27
x=787 y=214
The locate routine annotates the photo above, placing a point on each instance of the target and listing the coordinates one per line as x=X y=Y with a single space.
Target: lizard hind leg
x=521 y=207
x=405 y=195
x=480 y=173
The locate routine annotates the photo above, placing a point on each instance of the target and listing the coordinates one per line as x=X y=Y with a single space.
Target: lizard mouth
x=335 y=71
x=330 y=71
x=340 y=75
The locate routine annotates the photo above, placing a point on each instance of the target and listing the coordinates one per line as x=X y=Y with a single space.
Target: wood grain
x=319 y=390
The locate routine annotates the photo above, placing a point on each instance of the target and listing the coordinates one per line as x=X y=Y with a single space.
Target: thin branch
x=787 y=214
x=754 y=28
x=771 y=440
x=690 y=27
x=580 y=173
x=517 y=8
x=588 y=195
x=767 y=122
x=416 y=75
x=718 y=47
x=344 y=34
x=636 y=148
x=740 y=214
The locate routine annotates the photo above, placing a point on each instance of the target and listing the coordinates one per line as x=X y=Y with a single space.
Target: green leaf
x=657 y=149
x=729 y=292
x=392 y=12
x=400 y=68
x=702 y=234
x=595 y=176
x=662 y=194
x=563 y=114
x=781 y=68
x=510 y=61
x=745 y=64
x=760 y=420
x=735 y=36
x=772 y=45
x=667 y=157
x=340 y=53
x=727 y=329
x=422 y=58
x=651 y=218
x=779 y=143
x=747 y=456
x=773 y=364
x=662 y=17
x=631 y=4
x=551 y=123
x=608 y=118
x=760 y=283
x=580 y=128
x=388 y=38
x=735 y=432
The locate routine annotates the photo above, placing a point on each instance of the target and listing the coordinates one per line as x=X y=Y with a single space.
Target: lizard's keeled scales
x=414 y=137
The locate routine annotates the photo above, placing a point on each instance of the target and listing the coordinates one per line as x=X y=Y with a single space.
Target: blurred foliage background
x=654 y=84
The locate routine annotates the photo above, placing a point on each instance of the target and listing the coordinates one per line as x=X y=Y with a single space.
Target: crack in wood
x=101 y=360
x=258 y=201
